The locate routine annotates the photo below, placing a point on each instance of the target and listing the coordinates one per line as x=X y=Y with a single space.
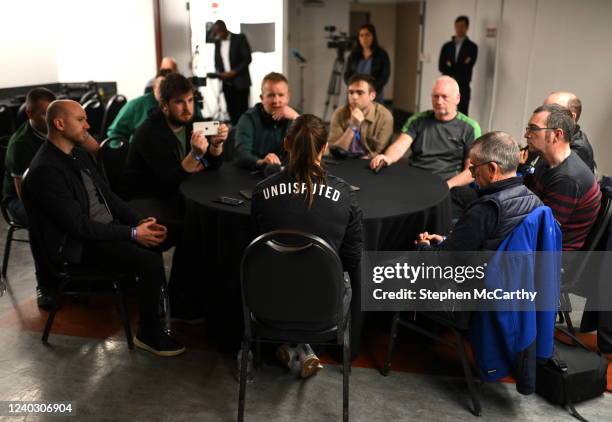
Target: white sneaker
x=310 y=363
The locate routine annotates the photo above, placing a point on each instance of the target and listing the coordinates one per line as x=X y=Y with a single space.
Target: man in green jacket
x=136 y=111
x=261 y=129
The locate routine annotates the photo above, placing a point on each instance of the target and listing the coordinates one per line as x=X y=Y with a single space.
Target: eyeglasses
x=537 y=128
x=473 y=168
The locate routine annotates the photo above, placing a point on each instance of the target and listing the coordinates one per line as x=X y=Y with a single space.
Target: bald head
x=568 y=100
x=67 y=121
x=169 y=63
x=445 y=98
x=447 y=83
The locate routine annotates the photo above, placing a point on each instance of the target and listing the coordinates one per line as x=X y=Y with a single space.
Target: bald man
x=76 y=218
x=167 y=65
x=579 y=142
x=440 y=141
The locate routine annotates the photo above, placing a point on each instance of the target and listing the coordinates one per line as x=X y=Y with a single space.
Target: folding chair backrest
x=95 y=113
x=111 y=161
x=113 y=106
x=292 y=276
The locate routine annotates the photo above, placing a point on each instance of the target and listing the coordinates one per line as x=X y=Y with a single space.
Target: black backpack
x=572 y=375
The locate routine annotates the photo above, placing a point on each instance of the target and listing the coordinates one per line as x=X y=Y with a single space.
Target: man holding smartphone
x=166 y=148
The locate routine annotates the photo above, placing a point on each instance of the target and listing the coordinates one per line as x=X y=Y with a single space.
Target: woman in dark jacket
x=305 y=197
x=369 y=58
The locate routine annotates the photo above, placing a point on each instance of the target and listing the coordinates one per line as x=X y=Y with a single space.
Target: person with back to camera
x=369 y=58
x=334 y=217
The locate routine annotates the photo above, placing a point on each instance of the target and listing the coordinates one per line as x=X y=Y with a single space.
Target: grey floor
x=107 y=382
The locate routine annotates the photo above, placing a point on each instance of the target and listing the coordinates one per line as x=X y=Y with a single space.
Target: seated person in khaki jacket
x=362 y=127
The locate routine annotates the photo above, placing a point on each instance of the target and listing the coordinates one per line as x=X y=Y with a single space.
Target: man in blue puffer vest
x=488 y=224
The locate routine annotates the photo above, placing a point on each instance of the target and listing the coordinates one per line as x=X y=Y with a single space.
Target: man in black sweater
x=579 y=142
x=76 y=218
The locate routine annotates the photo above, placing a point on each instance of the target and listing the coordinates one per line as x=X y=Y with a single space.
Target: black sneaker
x=44 y=299
x=158 y=342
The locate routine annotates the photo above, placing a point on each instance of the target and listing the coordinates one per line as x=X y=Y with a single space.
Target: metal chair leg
x=124 y=315
x=467 y=371
x=7 y=250
x=392 y=337
x=243 y=379
x=346 y=369
x=56 y=306
x=257 y=353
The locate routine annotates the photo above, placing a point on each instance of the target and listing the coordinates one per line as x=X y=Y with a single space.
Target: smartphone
x=208 y=128
x=228 y=201
x=246 y=194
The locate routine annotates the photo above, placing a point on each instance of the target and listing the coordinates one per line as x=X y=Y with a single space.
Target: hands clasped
x=149 y=233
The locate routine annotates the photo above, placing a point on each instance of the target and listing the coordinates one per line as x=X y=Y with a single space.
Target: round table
x=397 y=203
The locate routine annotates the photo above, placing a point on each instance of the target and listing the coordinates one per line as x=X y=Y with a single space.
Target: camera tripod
x=335 y=83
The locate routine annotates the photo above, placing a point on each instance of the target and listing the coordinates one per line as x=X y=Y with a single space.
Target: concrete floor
x=107 y=382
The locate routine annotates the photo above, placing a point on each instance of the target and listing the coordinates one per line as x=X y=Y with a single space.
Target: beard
x=174 y=120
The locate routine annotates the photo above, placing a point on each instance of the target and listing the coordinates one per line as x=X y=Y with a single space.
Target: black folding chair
x=95 y=113
x=113 y=106
x=111 y=161
x=92 y=94
x=600 y=227
x=13 y=224
x=293 y=291
x=7 y=126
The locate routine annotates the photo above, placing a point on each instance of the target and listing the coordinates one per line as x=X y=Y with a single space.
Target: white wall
x=28 y=56
x=544 y=45
x=176 y=33
x=74 y=41
x=306 y=34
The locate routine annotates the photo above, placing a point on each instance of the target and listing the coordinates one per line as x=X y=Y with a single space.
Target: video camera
x=341 y=42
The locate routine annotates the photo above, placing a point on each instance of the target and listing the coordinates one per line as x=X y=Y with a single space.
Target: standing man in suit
x=232 y=58
x=457 y=59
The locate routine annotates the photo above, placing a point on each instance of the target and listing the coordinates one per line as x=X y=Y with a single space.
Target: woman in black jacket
x=369 y=58
x=305 y=197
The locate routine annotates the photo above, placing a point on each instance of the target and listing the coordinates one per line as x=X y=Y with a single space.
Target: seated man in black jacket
x=75 y=218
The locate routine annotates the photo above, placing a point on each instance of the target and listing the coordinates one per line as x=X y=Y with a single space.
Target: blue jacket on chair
x=507 y=342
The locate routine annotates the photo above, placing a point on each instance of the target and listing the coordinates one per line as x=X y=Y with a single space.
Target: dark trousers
x=464 y=101
x=182 y=289
x=130 y=258
x=237 y=101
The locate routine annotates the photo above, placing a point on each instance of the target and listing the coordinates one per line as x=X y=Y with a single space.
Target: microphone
x=295 y=53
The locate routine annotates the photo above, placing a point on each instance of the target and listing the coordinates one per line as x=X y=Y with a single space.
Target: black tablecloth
x=397 y=203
